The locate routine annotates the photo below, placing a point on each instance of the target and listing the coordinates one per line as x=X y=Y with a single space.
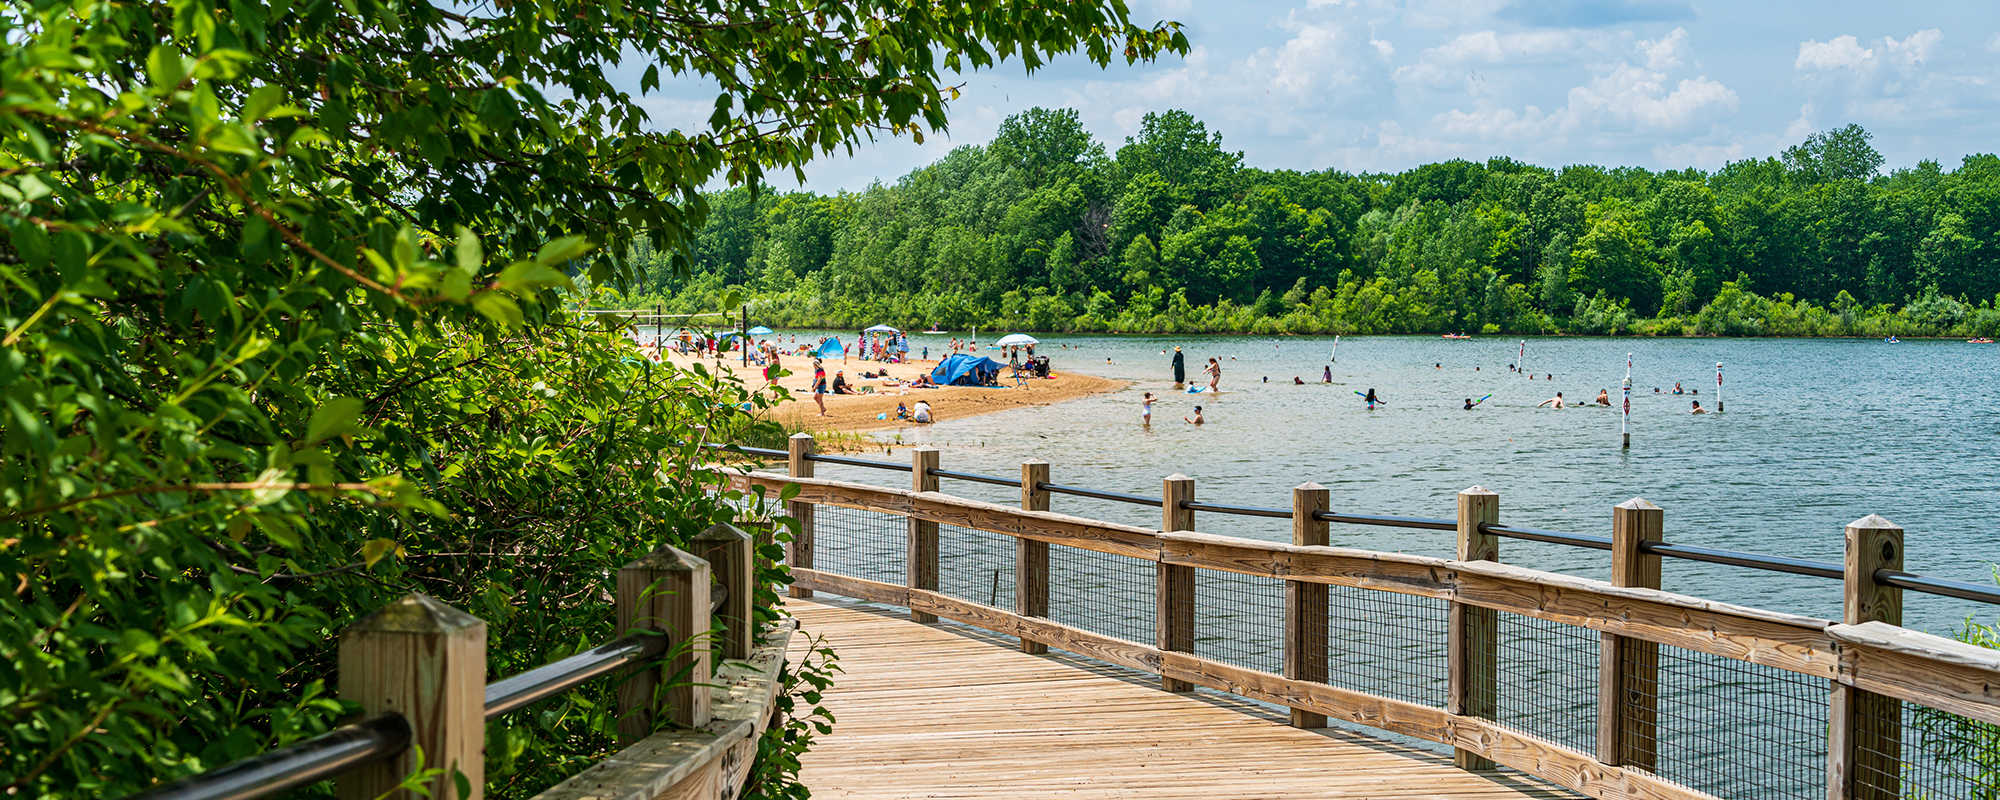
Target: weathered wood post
x=1474 y=635
x=1306 y=603
x=426 y=661
x=798 y=452
x=1173 y=586
x=1865 y=739
x=1628 y=670
x=1031 y=558
x=727 y=549
x=666 y=590
x=922 y=564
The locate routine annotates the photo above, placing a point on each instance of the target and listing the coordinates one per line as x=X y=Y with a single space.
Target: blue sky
x=1384 y=85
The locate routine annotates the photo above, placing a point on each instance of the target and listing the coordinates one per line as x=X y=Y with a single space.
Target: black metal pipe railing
x=1938 y=586
x=754 y=451
x=859 y=462
x=276 y=772
x=1551 y=537
x=977 y=478
x=1243 y=511
x=1794 y=566
x=1117 y=497
x=546 y=681
x=1426 y=523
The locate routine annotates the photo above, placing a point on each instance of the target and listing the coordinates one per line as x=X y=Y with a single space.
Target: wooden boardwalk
x=943 y=711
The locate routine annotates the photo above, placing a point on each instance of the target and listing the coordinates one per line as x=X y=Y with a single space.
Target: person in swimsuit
x=1214 y=370
x=1553 y=402
x=819 y=386
x=1373 y=400
x=1603 y=398
x=1146 y=410
x=1697 y=408
x=1196 y=419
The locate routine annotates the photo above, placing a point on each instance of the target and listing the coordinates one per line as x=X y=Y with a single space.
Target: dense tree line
x=1043 y=229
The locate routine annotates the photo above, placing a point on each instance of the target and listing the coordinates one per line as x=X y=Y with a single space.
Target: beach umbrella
x=1016 y=339
x=881 y=329
x=760 y=331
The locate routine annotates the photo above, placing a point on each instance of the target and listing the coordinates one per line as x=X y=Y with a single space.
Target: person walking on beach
x=1180 y=367
x=819 y=386
x=1214 y=370
x=1146 y=411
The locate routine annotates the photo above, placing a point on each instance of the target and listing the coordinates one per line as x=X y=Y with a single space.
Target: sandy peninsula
x=858 y=412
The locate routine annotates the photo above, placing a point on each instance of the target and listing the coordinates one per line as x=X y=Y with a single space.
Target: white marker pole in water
x=1335 y=355
x=1521 y=361
x=1625 y=424
x=1718 y=387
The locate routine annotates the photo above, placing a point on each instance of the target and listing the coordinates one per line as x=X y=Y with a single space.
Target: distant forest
x=1042 y=229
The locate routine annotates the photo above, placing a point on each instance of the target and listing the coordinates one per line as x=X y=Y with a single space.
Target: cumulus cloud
x=1843 y=51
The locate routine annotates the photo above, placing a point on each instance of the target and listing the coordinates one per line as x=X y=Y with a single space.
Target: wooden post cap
x=1639 y=504
x=1478 y=490
x=1308 y=486
x=1178 y=477
x=415 y=613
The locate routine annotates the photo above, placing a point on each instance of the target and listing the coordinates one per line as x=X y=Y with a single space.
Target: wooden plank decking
x=943 y=711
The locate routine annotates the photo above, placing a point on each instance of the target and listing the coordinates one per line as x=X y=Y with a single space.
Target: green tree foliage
x=288 y=329
x=1816 y=243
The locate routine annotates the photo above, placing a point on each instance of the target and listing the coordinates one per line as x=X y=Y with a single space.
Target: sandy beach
x=858 y=412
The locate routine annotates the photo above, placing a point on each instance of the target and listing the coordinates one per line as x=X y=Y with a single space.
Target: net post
x=1628 y=671
x=1173 y=584
x=1865 y=737
x=426 y=661
x=666 y=590
x=1031 y=558
x=1306 y=603
x=798 y=449
x=922 y=564
x=1474 y=633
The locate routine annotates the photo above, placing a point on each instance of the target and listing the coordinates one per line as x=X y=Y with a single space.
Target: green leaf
x=375 y=549
x=470 y=257
x=561 y=250
x=165 y=67
x=335 y=417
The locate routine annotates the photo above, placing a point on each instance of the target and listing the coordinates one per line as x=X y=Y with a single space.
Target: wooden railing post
x=1628 y=670
x=1173 y=587
x=1306 y=602
x=727 y=549
x=800 y=555
x=1865 y=739
x=1474 y=635
x=426 y=661
x=1031 y=558
x=666 y=590
x=922 y=565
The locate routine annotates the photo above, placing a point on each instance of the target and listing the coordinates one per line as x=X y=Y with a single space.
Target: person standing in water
x=1146 y=411
x=1603 y=398
x=1372 y=399
x=1326 y=375
x=1180 y=368
x=1214 y=370
x=1196 y=419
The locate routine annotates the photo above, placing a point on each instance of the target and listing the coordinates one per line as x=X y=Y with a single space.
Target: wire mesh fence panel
x=1102 y=593
x=1389 y=644
x=1920 y=753
x=1239 y=619
x=976 y=565
x=1726 y=727
x=861 y=544
x=1546 y=680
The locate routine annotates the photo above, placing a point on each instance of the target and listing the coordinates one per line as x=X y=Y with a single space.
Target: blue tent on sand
x=831 y=348
x=966 y=370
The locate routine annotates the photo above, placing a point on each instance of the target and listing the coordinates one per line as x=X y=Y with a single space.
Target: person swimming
x=1326 y=375
x=1697 y=408
x=1603 y=397
x=1677 y=389
x=1468 y=404
x=1297 y=381
x=1372 y=399
x=1553 y=402
x=1196 y=419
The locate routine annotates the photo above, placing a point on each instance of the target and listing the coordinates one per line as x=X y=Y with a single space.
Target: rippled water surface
x=1815 y=434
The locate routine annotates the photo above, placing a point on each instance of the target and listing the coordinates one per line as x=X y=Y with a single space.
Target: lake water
x=1816 y=433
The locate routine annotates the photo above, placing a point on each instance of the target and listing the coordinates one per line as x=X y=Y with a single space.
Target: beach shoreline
x=870 y=412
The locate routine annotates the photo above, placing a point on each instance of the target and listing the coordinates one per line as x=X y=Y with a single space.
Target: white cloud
x=1386 y=49
x=1843 y=51
x=1917 y=47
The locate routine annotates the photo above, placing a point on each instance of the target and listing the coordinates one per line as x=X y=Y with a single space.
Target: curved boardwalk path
x=942 y=711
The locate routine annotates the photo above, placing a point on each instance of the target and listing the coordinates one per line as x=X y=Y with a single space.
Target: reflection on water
x=1816 y=434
